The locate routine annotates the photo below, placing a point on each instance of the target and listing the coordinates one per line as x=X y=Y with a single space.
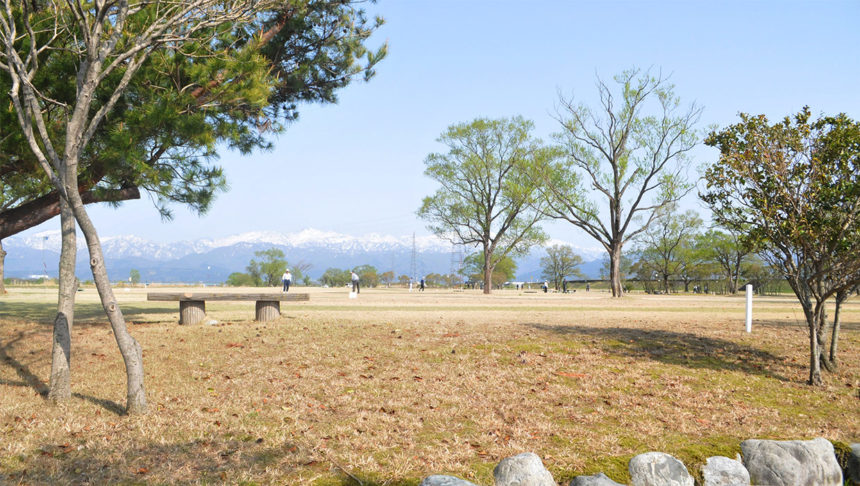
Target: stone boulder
x=441 y=480
x=524 y=469
x=658 y=469
x=598 y=479
x=792 y=462
x=854 y=464
x=722 y=471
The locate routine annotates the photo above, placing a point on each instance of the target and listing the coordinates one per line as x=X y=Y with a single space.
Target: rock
x=440 y=480
x=658 y=469
x=598 y=479
x=854 y=464
x=722 y=471
x=524 y=469
x=792 y=462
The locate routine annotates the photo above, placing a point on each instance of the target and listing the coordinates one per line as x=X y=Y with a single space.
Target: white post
x=749 y=307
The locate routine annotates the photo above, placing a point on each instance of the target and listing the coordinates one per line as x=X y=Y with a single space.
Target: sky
x=356 y=167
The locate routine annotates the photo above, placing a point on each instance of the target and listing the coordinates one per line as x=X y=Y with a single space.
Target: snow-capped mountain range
x=212 y=260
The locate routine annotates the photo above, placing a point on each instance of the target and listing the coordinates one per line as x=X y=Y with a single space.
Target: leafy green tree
x=239 y=279
x=726 y=249
x=368 y=275
x=267 y=271
x=134 y=276
x=560 y=263
x=334 y=277
x=387 y=278
x=666 y=243
x=633 y=161
x=793 y=189
x=504 y=271
x=404 y=280
x=487 y=198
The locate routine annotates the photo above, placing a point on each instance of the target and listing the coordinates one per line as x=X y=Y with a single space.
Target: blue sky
x=357 y=167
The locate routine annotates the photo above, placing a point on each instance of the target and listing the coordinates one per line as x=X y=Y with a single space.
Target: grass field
x=393 y=386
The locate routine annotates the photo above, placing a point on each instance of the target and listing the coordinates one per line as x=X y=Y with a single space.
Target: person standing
x=355 y=287
x=545 y=286
x=421 y=285
x=287 y=278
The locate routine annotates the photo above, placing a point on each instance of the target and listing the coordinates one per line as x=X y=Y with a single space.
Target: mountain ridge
x=213 y=259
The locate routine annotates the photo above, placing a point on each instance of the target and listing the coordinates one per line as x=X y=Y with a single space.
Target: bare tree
x=632 y=160
x=111 y=40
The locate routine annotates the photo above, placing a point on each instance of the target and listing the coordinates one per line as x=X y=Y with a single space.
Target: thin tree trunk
x=822 y=340
x=2 y=268
x=615 y=270
x=130 y=349
x=813 y=321
x=488 y=273
x=60 y=383
x=834 y=337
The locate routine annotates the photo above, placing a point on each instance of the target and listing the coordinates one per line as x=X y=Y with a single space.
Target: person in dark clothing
x=421 y=285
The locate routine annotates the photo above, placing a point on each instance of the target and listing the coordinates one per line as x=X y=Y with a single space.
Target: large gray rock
x=792 y=462
x=722 y=471
x=854 y=464
x=524 y=469
x=598 y=479
x=440 y=480
x=658 y=469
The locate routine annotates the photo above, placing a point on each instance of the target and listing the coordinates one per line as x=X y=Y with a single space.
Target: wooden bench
x=192 y=305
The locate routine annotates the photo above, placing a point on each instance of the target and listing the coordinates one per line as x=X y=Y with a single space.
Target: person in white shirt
x=287 y=277
x=355 y=286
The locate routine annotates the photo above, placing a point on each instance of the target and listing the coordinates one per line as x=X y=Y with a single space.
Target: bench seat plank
x=257 y=296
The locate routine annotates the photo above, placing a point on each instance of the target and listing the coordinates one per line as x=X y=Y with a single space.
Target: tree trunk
x=834 y=337
x=60 y=383
x=822 y=341
x=131 y=351
x=615 y=270
x=2 y=268
x=813 y=319
x=488 y=273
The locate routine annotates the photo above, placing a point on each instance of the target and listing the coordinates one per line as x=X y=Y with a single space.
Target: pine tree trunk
x=615 y=270
x=60 y=382
x=2 y=268
x=131 y=351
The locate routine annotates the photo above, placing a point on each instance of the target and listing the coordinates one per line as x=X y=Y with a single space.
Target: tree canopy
x=119 y=96
x=630 y=154
x=793 y=188
x=487 y=198
x=560 y=263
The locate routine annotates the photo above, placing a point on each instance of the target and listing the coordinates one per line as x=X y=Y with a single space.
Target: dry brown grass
x=393 y=386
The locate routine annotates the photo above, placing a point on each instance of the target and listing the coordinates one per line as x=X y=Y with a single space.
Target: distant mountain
x=212 y=260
